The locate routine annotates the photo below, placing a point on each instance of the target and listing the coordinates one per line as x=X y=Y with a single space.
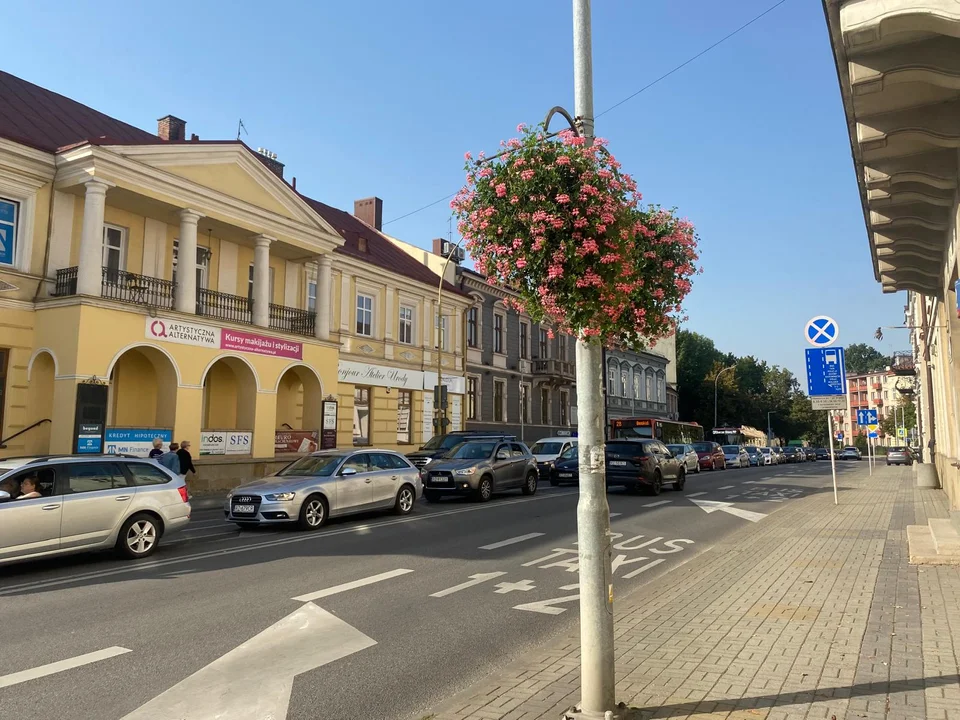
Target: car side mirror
x=348 y=471
x=503 y=455
x=4 y=495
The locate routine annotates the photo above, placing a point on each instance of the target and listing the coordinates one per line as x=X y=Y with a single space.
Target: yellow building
x=104 y=345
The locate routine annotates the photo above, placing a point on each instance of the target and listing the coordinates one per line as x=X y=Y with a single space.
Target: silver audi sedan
x=326 y=484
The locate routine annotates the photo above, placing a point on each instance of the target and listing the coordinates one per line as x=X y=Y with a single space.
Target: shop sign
x=90 y=438
x=456 y=384
x=379 y=375
x=456 y=413
x=182 y=332
x=427 y=425
x=296 y=441
x=135 y=441
x=259 y=344
x=328 y=433
x=225 y=442
x=186 y=333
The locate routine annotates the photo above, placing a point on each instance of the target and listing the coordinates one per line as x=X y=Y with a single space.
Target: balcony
x=903 y=364
x=878 y=386
x=637 y=407
x=156 y=293
x=556 y=371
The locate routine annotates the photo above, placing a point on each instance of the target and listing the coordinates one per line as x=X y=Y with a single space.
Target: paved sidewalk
x=813 y=613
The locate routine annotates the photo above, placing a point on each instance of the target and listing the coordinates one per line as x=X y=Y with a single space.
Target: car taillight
x=183 y=493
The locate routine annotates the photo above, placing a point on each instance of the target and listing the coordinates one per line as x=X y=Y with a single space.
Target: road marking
x=140 y=567
x=710 y=506
x=60 y=666
x=510 y=541
x=522 y=586
x=475 y=580
x=644 y=568
x=548 y=607
x=730 y=497
x=696 y=494
x=613 y=515
x=726 y=487
x=233 y=685
x=659 y=502
x=362 y=582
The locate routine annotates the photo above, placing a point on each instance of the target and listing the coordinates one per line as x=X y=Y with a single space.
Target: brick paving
x=811 y=614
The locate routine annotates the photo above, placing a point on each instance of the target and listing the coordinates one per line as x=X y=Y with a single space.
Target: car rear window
x=703 y=447
x=626 y=448
x=144 y=474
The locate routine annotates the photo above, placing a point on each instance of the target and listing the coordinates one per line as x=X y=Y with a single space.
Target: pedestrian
x=170 y=460
x=186 y=459
x=157 y=449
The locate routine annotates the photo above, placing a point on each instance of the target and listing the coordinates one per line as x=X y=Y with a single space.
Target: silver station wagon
x=65 y=504
x=326 y=484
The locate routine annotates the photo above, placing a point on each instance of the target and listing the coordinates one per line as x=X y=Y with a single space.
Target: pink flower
x=527 y=175
x=467 y=156
x=563 y=160
x=501 y=190
x=520 y=263
x=563 y=198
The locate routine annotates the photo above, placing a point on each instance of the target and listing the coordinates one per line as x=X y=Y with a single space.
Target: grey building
x=518 y=379
x=636 y=385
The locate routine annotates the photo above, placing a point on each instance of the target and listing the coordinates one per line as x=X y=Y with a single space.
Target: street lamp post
x=717 y=378
x=440 y=410
x=769 y=427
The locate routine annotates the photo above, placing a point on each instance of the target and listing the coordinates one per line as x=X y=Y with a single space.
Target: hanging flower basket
x=558 y=222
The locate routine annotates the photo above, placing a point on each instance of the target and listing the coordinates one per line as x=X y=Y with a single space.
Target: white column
x=185 y=294
x=324 y=292
x=261 y=281
x=90 y=264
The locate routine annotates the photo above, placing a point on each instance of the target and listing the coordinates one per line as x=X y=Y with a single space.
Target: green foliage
x=906 y=416
x=861 y=358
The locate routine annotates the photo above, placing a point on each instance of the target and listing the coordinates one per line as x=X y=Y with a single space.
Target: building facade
x=636 y=384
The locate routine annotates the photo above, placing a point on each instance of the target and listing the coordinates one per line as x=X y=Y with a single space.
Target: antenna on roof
x=241 y=126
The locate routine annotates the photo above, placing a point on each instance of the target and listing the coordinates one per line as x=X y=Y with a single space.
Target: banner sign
x=186 y=333
x=296 y=441
x=379 y=375
x=225 y=442
x=456 y=384
x=328 y=433
x=90 y=438
x=136 y=441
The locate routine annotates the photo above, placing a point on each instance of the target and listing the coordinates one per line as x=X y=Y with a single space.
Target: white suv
x=65 y=504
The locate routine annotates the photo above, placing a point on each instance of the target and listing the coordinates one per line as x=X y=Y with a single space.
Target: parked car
x=736 y=456
x=647 y=464
x=822 y=453
x=547 y=450
x=566 y=468
x=810 y=454
x=792 y=454
x=780 y=456
x=768 y=456
x=480 y=468
x=86 y=503
x=687 y=456
x=756 y=457
x=326 y=484
x=899 y=456
x=711 y=455
x=850 y=453
x=440 y=445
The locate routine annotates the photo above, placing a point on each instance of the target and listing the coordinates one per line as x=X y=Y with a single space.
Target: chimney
x=370 y=210
x=443 y=247
x=172 y=128
x=270 y=160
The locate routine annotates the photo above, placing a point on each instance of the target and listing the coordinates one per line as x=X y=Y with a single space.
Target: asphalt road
x=246 y=610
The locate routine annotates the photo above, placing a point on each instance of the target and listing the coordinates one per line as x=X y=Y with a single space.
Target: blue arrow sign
x=867 y=417
x=822 y=331
x=826 y=374
x=873 y=434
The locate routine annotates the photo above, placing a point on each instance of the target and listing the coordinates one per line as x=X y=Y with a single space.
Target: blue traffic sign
x=867 y=417
x=826 y=374
x=839 y=434
x=822 y=331
x=873 y=434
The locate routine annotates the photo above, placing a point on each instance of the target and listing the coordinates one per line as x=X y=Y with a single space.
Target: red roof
x=380 y=251
x=32 y=115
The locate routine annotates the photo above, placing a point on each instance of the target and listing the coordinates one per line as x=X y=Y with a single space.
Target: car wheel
x=432 y=496
x=139 y=536
x=530 y=486
x=680 y=481
x=313 y=513
x=697 y=468
x=405 y=500
x=484 y=490
x=657 y=484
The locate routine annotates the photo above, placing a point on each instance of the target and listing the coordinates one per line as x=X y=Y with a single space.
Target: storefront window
x=404 y=412
x=361 y=416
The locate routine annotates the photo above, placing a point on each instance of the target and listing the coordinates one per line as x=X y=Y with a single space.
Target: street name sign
x=828 y=402
x=825 y=372
x=821 y=331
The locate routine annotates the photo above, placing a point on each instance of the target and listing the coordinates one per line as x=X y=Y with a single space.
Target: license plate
x=565 y=475
x=618 y=463
x=244 y=509
x=439 y=480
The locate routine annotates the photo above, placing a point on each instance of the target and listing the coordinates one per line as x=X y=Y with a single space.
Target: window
x=404 y=411
x=544 y=344
x=4 y=355
x=9 y=216
x=114 y=250
x=359 y=462
x=564 y=403
x=524 y=339
x=364 y=315
x=517 y=450
x=250 y=284
x=499 y=401
x=544 y=406
x=144 y=474
x=612 y=381
x=473 y=327
x=312 y=295
x=406 y=325
x=361 y=416
x=442 y=323
x=498 y=333
x=624 y=382
x=472 y=398
x=636 y=384
x=90 y=477
x=650 y=391
x=203 y=264
x=386 y=461
x=525 y=404
x=562 y=347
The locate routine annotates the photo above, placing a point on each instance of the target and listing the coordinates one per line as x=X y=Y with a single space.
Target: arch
x=133 y=346
x=41 y=374
x=36 y=353
x=299 y=398
x=230 y=386
x=227 y=356
x=144 y=381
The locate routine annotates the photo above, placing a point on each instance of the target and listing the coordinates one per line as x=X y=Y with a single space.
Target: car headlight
x=280 y=496
x=465 y=471
x=427 y=461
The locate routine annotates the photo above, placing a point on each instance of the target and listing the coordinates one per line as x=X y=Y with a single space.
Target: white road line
x=613 y=515
x=365 y=528
x=474 y=580
x=726 y=487
x=510 y=541
x=731 y=496
x=60 y=666
x=659 y=502
x=644 y=568
x=362 y=582
x=696 y=494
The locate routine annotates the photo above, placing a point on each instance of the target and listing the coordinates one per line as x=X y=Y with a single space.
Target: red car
x=710 y=455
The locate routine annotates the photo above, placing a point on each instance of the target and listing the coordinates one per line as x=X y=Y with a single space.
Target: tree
x=906 y=416
x=862 y=358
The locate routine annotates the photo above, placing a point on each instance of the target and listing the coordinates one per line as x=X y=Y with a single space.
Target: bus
x=670 y=432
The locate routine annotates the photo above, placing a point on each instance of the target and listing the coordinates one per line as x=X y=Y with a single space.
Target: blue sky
x=383 y=98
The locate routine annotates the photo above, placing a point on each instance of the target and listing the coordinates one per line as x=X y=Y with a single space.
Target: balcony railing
x=637 y=407
x=66 y=282
x=137 y=289
x=903 y=364
x=556 y=368
x=292 y=320
x=223 y=306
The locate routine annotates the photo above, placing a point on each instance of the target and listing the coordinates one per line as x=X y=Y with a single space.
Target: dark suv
x=440 y=445
x=643 y=463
